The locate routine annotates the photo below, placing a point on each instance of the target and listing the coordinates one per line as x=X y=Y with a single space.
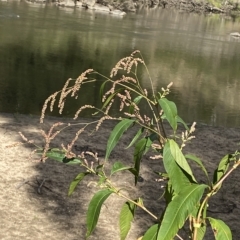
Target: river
x=41 y=46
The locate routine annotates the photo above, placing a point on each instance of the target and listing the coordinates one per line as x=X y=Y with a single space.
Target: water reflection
x=47 y=45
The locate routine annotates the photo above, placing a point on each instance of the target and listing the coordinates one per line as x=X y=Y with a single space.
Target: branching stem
x=213 y=190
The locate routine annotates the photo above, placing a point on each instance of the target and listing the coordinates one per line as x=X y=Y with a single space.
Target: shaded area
x=50 y=213
x=46 y=208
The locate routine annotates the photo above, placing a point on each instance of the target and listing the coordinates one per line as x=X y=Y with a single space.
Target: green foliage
x=179 y=158
x=141 y=148
x=170 y=111
x=136 y=137
x=75 y=182
x=186 y=199
x=176 y=174
x=94 y=208
x=118 y=166
x=151 y=233
x=222 y=168
x=201 y=232
x=59 y=155
x=126 y=217
x=198 y=162
x=116 y=134
x=220 y=229
x=178 y=210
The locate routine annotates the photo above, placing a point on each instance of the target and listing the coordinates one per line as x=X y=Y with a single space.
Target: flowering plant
x=186 y=198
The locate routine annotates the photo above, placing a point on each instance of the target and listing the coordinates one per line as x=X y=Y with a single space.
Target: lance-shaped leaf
x=126 y=217
x=178 y=211
x=220 y=229
x=180 y=120
x=59 y=156
x=94 y=209
x=110 y=97
x=222 y=168
x=101 y=89
x=138 y=153
x=138 y=134
x=199 y=162
x=116 y=134
x=136 y=101
x=150 y=139
x=179 y=158
x=101 y=93
x=118 y=166
x=141 y=148
x=76 y=181
x=178 y=177
x=151 y=233
x=201 y=232
x=170 y=110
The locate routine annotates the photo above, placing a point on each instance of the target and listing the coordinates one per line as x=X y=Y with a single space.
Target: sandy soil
x=50 y=214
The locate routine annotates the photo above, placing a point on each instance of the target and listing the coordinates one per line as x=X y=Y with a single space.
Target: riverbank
x=204 y=6
x=35 y=211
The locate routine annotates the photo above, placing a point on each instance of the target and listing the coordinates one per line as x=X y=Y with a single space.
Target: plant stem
x=137 y=204
x=199 y=215
x=179 y=237
x=226 y=175
x=150 y=79
x=215 y=187
x=142 y=207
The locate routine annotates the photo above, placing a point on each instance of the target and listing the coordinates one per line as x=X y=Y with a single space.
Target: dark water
x=42 y=46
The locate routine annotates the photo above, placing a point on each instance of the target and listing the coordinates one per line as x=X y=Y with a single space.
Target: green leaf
x=59 y=156
x=101 y=90
x=199 y=162
x=116 y=134
x=76 y=181
x=110 y=97
x=202 y=229
x=180 y=159
x=133 y=171
x=177 y=176
x=170 y=110
x=201 y=232
x=222 y=168
x=118 y=166
x=141 y=148
x=148 y=145
x=136 y=101
x=140 y=131
x=102 y=179
x=94 y=208
x=151 y=233
x=101 y=93
x=220 y=229
x=126 y=217
x=178 y=211
x=138 y=153
x=179 y=120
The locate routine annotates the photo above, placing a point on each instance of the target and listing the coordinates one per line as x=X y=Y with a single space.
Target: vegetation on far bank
x=230 y=7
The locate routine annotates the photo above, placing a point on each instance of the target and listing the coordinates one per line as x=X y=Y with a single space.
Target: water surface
x=41 y=46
